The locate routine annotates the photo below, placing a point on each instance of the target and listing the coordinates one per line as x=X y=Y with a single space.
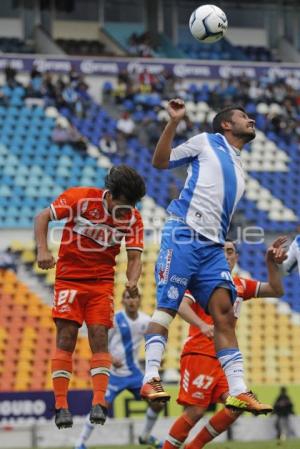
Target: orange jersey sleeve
x=67 y=203
x=250 y=288
x=135 y=238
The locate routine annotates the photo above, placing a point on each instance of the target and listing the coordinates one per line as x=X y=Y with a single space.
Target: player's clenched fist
x=176 y=109
x=132 y=289
x=45 y=260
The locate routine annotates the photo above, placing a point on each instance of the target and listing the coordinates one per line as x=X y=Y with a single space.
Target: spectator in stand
x=120 y=91
x=283 y=409
x=10 y=75
x=73 y=75
x=108 y=145
x=125 y=125
x=141 y=45
x=70 y=97
x=133 y=44
x=8 y=260
x=68 y=134
x=3 y=99
x=146 y=80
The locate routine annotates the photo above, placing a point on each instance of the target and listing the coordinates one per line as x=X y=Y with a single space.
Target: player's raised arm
x=187 y=313
x=275 y=254
x=133 y=272
x=45 y=259
x=161 y=157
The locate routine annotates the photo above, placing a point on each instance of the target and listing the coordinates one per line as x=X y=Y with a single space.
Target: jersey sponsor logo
x=102 y=234
x=179 y=280
x=198 y=395
x=173 y=292
x=164 y=268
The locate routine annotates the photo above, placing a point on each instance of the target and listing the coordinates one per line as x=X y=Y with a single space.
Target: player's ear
x=226 y=125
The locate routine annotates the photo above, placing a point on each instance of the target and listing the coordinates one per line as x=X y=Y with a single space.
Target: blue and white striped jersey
x=293 y=259
x=214 y=186
x=124 y=341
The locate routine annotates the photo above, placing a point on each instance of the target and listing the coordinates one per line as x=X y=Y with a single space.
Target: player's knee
x=98 y=338
x=66 y=336
x=194 y=413
x=163 y=318
x=220 y=307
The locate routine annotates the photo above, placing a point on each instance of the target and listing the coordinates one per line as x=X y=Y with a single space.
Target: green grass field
x=292 y=444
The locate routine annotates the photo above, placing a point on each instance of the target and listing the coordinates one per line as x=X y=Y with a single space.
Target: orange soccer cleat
x=154 y=391
x=248 y=402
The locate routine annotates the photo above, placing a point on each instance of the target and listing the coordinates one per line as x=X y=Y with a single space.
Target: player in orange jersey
x=97 y=220
x=203 y=381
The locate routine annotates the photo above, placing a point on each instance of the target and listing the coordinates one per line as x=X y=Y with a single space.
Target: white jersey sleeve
x=293 y=259
x=183 y=154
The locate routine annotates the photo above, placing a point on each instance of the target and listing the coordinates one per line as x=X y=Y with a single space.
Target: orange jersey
x=197 y=342
x=92 y=237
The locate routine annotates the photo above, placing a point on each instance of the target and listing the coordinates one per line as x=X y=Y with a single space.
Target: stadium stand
x=136 y=41
x=15 y=45
x=27 y=153
x=82 y=47
x=221 y=50
x=25 y=352
x=30 y=317
x=270 y=342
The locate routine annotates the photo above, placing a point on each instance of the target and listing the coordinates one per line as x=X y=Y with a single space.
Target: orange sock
x=178 y=432
x=61 y=374
x=100 y=366
x=216 y=425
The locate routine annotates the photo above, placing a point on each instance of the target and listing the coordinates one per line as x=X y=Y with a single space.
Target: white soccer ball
x=208 y=23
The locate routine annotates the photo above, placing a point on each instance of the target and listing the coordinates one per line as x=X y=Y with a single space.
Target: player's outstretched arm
x=134 y=270
x=187 y=313
x=161 y=157
x=276 y=254
x=45 y=259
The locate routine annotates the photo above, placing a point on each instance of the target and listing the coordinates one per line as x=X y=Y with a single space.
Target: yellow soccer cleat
x=248 y=402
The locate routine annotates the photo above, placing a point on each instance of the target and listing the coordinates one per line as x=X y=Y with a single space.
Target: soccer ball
x=208 y=23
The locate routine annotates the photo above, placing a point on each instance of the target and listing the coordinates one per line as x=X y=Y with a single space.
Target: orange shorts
x=202 y=380
x=89 y=301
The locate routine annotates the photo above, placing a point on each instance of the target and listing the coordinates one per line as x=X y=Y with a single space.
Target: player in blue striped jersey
x=191 y=254
x=293 y=257
x=124 y=341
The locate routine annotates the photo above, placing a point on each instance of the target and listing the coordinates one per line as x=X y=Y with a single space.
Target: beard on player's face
x=245 y=133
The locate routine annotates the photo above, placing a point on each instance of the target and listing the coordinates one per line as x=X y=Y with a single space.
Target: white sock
x=86 y=432
x=232 y=363
x=154 y=349
x=151 y=417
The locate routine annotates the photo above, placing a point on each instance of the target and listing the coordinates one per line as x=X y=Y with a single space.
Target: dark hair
x=234 y=244
x=224 y=115
x=125 y=181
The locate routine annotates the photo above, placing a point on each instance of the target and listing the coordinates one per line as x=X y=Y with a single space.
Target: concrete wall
x=75 y=29
x=11 y=28
x=247 y=36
